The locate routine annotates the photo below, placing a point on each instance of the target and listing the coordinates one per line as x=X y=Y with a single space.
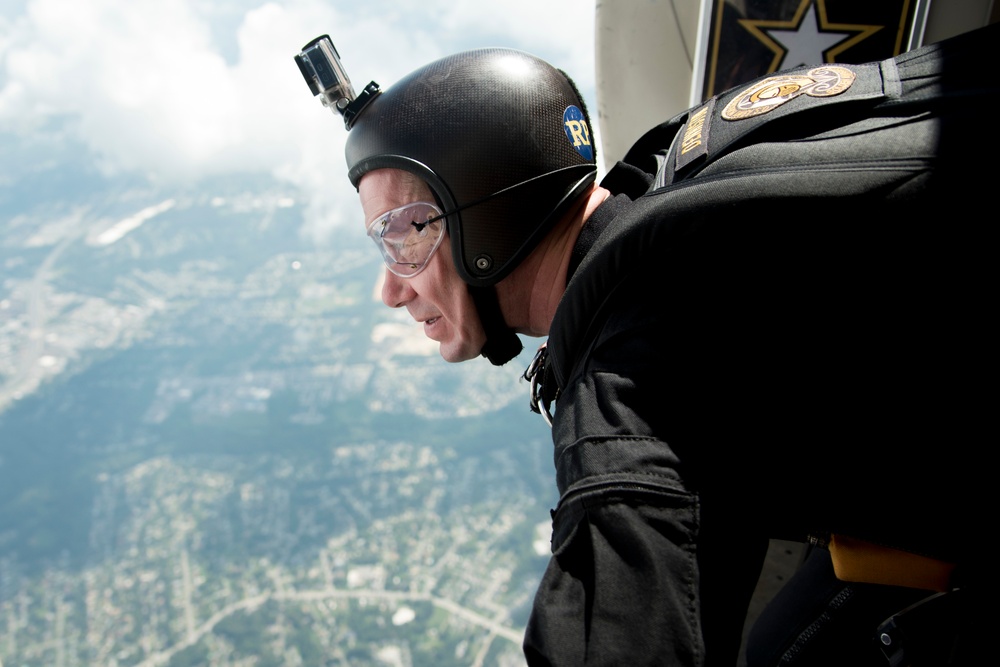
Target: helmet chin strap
x=502 y=344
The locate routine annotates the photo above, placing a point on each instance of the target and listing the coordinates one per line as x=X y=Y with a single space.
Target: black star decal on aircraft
x=746 y=39
x=809 y=38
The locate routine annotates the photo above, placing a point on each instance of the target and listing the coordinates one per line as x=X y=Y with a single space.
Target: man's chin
x=454 y=354
x=454 y=358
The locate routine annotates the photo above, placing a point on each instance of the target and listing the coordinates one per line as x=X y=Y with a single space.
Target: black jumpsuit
x=780 y=327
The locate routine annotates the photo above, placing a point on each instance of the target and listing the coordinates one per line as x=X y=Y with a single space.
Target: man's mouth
x=431 y=320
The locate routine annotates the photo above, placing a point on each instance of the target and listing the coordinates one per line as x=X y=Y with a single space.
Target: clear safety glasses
x=408 y=236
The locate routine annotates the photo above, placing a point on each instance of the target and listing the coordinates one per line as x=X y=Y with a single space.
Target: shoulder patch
x=577 y=132
x=694 y=136
x=770 y=93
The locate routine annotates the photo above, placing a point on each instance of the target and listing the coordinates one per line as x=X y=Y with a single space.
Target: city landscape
x=217 y=447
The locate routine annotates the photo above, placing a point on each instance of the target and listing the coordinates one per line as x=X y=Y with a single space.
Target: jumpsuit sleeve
x=634 y=567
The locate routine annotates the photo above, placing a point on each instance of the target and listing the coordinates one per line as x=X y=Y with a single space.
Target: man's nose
x=396 y=291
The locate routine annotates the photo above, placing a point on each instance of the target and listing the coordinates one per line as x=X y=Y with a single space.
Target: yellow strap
x=865 y=562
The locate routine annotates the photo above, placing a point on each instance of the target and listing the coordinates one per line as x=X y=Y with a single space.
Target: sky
x=171 y=92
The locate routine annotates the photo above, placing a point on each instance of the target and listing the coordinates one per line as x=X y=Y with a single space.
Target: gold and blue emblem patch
x=578 y=132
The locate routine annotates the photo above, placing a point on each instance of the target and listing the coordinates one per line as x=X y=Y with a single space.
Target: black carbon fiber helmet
x=502 y=139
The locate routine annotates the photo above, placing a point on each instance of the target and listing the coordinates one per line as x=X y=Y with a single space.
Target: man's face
x=436 y=297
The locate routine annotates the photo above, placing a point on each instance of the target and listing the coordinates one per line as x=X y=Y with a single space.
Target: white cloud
x=148 y=87
x=145 y=88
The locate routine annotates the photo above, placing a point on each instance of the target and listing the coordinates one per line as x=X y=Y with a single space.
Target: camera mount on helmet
x=325 y=75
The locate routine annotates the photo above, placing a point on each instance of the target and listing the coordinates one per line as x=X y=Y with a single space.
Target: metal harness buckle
x=535 y=374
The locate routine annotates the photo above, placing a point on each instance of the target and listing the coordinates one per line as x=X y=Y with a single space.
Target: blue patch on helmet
x=578 y=132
